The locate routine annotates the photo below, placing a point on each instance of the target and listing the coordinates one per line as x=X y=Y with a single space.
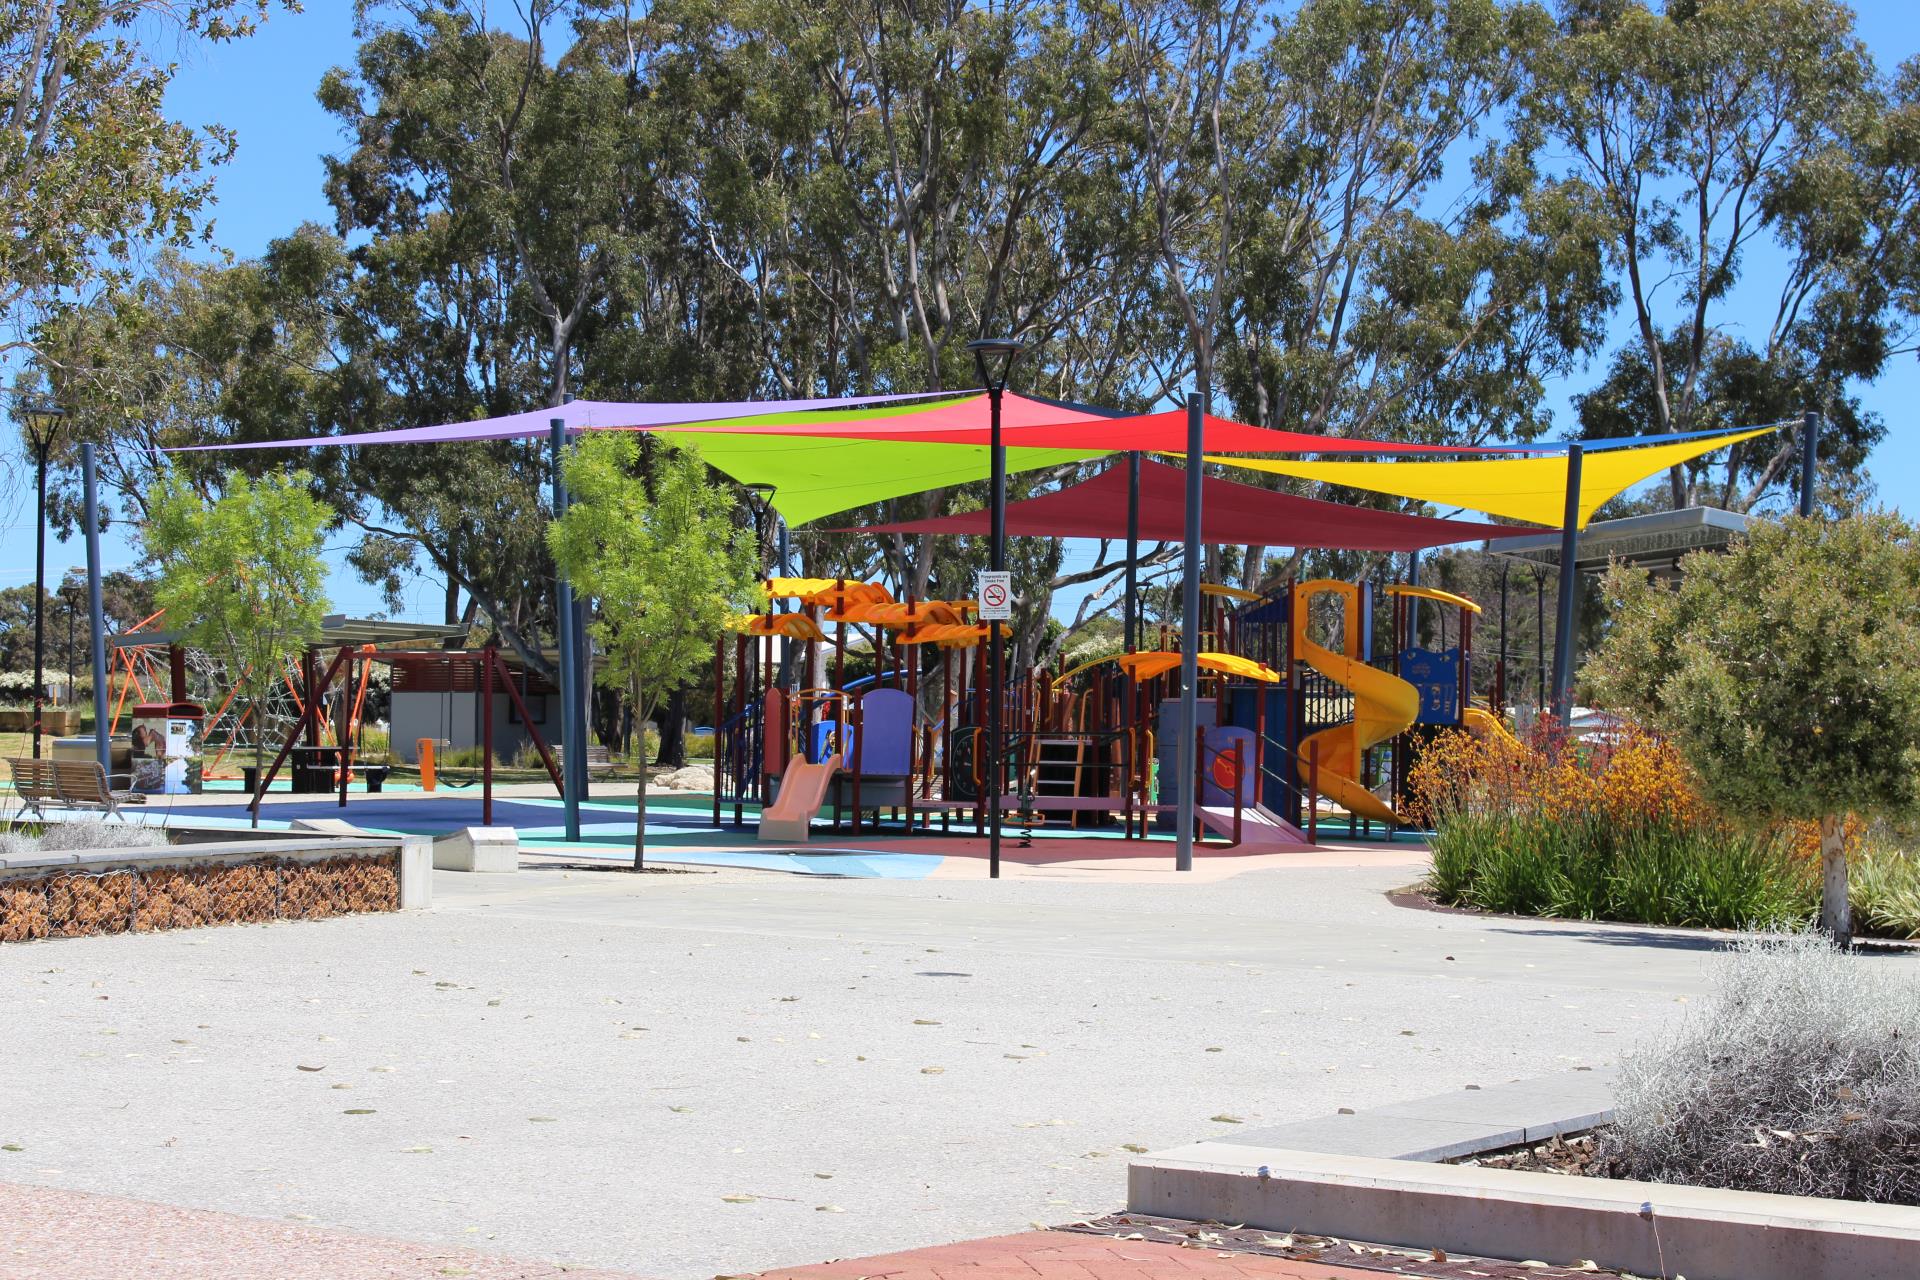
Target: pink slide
x=803 y=789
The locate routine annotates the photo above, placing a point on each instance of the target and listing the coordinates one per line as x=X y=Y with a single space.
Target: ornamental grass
x=1613 y=830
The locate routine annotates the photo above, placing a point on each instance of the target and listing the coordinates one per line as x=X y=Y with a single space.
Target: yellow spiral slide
x=1384 y=705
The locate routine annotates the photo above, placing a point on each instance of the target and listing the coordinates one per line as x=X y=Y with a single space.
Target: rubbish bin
x=166 y=748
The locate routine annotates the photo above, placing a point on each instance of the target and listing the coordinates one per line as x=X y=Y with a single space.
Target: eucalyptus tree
x=1710 y=134
x=94 y=172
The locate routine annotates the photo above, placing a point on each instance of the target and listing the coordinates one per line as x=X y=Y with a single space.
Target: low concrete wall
x=1642 y=1227
x=1374 y=1176
x=166 y=886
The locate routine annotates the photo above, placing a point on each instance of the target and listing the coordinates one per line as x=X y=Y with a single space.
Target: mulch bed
x=1428 y=1264
x=1580 y=1155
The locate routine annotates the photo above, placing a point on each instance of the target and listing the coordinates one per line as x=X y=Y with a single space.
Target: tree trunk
x=640 y=793
x=1836 y=916
x=673 y=730
x=259 y=754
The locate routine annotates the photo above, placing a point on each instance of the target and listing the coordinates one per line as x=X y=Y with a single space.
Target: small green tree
x=1784 y=671
x=666 y=562
x=242 y=578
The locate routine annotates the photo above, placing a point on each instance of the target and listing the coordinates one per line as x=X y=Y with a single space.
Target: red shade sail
x=1026 y=422
x=1229 y=513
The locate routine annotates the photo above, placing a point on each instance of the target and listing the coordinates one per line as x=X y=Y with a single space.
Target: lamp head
x=1006 y=350
x=42 y=418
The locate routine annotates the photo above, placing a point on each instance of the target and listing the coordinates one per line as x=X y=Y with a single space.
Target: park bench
x=599 y=759
x=73 y=784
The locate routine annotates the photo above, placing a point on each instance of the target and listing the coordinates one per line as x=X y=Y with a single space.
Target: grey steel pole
x=1413 y=602
x=96 y=611
x=1183 y=750
x=996 y=693
x=1568 y=619
x=40 y=447
x=573 y=762
x=1809 y=459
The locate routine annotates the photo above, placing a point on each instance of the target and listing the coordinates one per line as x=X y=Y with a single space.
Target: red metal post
x=486 y=736
x=1313 y=792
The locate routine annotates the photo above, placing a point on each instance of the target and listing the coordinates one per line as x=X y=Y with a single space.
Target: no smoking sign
x=996 y=595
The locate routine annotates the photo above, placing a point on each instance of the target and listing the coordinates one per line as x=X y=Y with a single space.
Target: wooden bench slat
x=74 y=784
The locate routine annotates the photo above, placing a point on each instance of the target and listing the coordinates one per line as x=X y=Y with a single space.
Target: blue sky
x=264 y=89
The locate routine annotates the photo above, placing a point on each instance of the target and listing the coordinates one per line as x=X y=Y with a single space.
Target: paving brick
x=1041 y=1255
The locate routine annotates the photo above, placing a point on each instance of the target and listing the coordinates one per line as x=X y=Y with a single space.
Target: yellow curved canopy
x=899 y=613
x=948 y=635
x=797 y=625
x=1531 y=489
x=1433 y=593
x=1153 y=662
x=1230 y=593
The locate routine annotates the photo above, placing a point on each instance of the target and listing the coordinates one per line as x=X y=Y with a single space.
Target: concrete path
x=690 y=1074
x=69 y=1235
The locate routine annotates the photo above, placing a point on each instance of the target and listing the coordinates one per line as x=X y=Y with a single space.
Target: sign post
x=996 y=595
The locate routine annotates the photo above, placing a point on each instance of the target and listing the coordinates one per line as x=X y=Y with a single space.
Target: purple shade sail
x=579 y=415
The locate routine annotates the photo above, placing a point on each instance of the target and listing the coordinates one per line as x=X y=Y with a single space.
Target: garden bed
x=70 y=894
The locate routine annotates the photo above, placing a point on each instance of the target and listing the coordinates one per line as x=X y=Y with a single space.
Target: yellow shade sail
x=1531 y=489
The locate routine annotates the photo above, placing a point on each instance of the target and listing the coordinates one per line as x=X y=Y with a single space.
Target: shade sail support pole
x=96 y=612
x=996 y=658
x=1569 y=602
x=1186 y=756
x=572 y=760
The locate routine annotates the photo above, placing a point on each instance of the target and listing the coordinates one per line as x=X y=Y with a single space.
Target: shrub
x=92 y=833
x=1801 y=1076
x=1613 y=831
x=1783 y=669
x=1885 y=888
x=372 y=744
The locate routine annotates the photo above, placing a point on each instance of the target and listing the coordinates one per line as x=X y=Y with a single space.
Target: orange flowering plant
x=1612 y=826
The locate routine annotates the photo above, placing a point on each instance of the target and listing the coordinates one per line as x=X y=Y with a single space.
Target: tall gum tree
x=1708 y=133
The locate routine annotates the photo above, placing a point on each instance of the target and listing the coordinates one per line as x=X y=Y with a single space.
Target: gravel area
x=694 y=1075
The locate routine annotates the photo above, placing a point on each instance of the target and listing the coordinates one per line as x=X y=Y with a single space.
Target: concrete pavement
x=684 y=1074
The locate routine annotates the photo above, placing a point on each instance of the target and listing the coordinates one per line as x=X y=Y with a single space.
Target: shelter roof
x=1654 y=541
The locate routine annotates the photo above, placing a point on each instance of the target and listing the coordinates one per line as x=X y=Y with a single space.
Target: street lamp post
x=1005 y=351
x=42 y=421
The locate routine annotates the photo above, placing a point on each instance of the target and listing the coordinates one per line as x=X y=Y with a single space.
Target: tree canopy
x=1783 y=671
x=655 y=545
x=241 y=578
x=1410 y=219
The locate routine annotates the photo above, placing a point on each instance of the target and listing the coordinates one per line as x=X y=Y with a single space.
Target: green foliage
x=92 y=168
x=654 y=542
x=1782 y=670
x=1884 y=884
x=242 y=577
x=1592 y=868
x=666 y=569
x=1695 y=136
x=125 y=598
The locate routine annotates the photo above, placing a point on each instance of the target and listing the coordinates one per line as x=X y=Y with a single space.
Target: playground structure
x=1297 y=721
x=1255 y=727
